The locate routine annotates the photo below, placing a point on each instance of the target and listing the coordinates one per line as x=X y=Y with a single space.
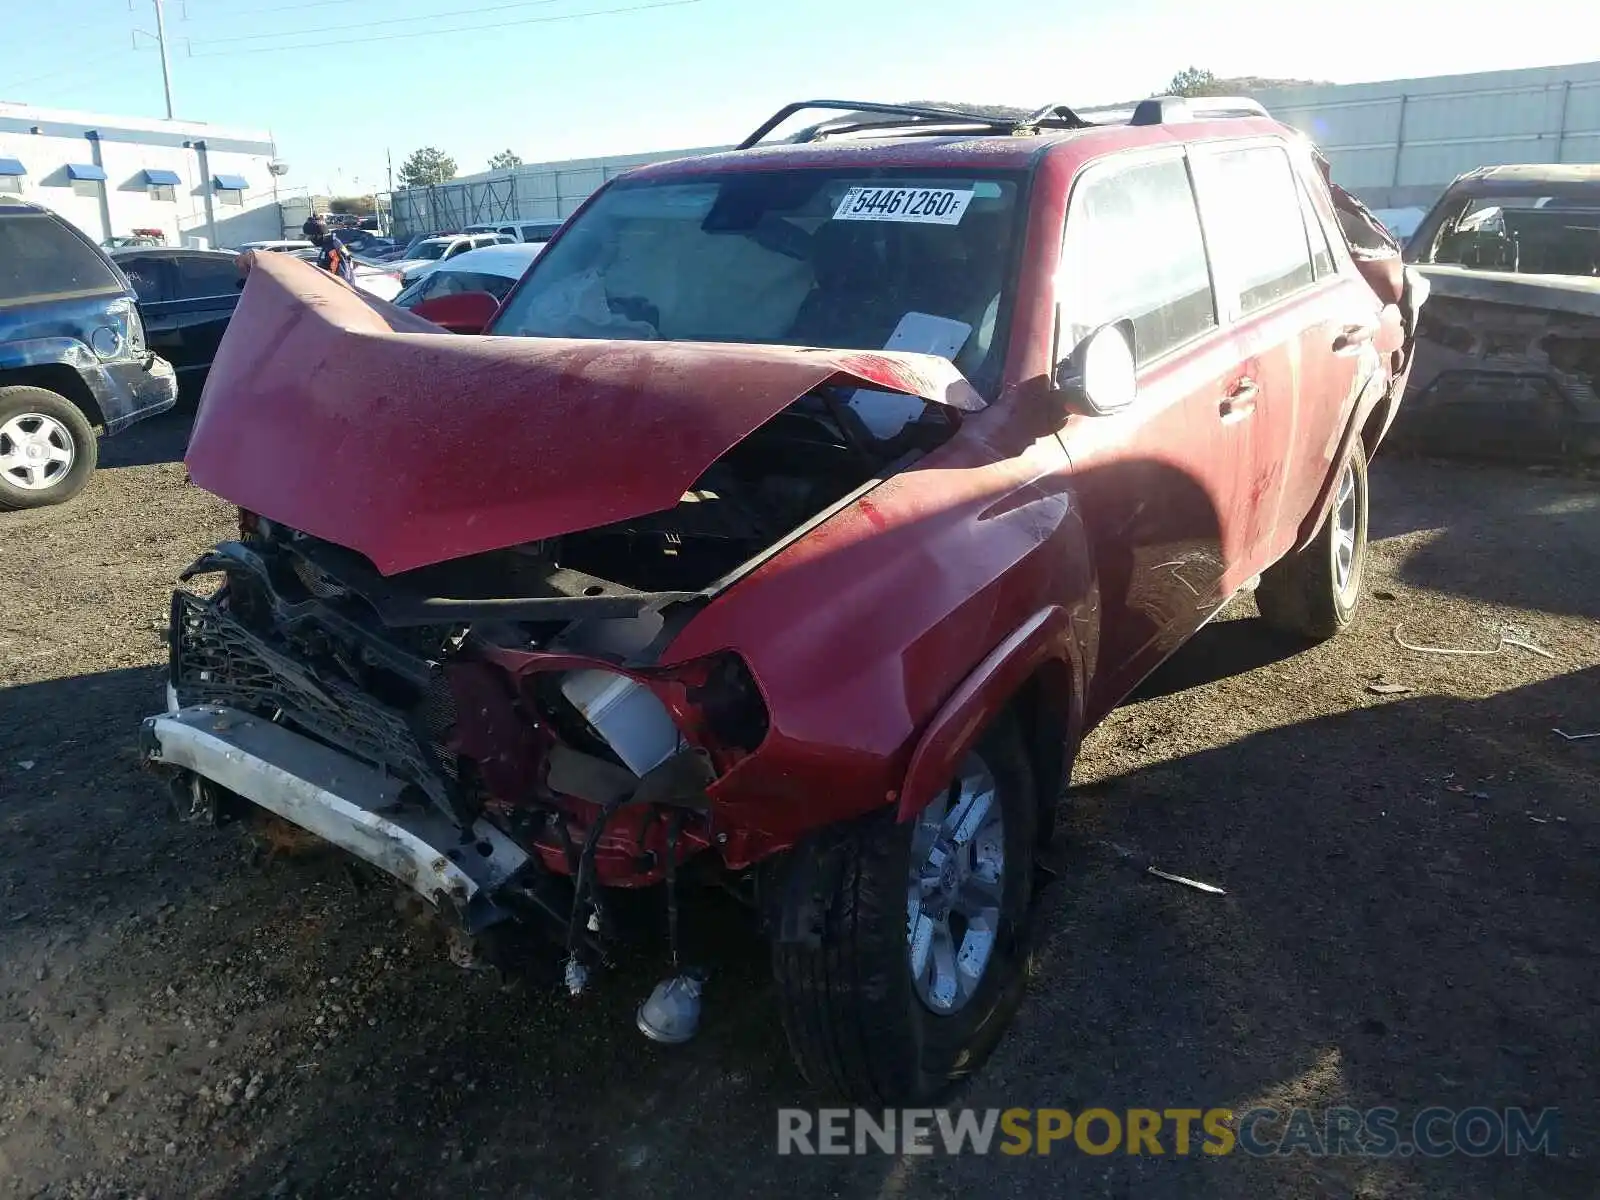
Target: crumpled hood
x=337 y=414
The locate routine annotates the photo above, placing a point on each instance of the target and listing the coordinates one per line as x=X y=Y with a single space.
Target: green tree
x=505 y=159
x=361 y=206
x=1195 y=81
x=425 y=166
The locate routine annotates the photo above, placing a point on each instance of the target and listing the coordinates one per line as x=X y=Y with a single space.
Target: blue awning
x=76 y=171
x=229 y=183
x=154 y=178
x=12 y=166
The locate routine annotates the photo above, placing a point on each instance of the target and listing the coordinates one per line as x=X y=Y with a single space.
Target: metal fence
x=544 y=193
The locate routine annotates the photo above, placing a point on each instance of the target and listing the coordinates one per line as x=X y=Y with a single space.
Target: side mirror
x=1100 y=376
x=460 y=312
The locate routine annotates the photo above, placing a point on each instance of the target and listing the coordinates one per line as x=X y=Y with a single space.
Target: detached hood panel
x=359 y=423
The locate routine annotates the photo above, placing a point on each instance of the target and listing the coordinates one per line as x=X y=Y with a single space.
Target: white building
x=112 y=175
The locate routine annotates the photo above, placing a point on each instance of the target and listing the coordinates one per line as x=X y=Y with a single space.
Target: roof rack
x=923 y=118
x=1169 y=110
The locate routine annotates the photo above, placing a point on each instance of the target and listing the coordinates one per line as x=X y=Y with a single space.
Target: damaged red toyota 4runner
x=789 y=523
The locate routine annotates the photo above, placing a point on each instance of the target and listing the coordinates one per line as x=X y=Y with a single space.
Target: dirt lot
x=1411 y=916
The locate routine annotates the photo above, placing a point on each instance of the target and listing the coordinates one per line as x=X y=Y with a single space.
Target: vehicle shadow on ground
x=1385 y=939
x=1234 y=644
x=1525 y=520
x=162 y=439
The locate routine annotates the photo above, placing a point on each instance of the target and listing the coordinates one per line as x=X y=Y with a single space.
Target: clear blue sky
x=694 y=72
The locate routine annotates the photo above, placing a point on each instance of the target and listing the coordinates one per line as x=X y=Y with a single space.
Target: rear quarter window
x=42 y=259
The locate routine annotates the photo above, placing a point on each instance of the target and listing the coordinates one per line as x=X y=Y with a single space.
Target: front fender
x=1044 y=640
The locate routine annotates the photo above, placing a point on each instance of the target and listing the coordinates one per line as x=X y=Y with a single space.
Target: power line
x=394 y=37
x=78 y=68
x=273 y=9
x=460 y=12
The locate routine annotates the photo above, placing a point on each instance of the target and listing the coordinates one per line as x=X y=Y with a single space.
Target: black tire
x=68 y=429
x=1302 y=593
x=855 y=1022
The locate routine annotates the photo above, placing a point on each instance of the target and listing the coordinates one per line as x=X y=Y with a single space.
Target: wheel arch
x=59 y=376
x=1037 y=673
x=1372 y=408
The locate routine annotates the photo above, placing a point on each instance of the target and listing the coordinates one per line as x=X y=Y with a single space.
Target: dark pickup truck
x=73 y=358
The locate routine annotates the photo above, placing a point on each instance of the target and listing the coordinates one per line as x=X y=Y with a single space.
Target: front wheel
x=47 y=449
x=1315 y=592
x=901 y=954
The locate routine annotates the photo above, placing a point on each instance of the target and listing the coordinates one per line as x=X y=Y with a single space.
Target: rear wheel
x=1315 y=592
x=47 y=449
x=901 y=955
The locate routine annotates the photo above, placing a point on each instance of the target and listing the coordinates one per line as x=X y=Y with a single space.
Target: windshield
x=1531 y=235
x=848 y=260
x=430 y=250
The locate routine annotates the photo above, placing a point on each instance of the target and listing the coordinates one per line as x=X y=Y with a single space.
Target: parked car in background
x=278 y=245
x=73 y=357
x=1508 y=356
x=364 y=242
x=491 y=269
x=403 y=247
x=805 y=506
x=187 y=298
x=519 y=231
x=430 y=252
x=139 y=237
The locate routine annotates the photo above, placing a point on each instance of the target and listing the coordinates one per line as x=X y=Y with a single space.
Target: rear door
x=1279 y=285
x=204 y=292
x=153 y=280
x=1157 y=480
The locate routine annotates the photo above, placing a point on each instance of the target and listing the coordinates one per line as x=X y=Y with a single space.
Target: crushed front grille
x=215 y=660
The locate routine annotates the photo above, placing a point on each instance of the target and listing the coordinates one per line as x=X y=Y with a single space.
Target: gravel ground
x=1410 y=915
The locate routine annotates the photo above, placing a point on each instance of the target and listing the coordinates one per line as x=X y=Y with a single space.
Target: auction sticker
x=931 y=206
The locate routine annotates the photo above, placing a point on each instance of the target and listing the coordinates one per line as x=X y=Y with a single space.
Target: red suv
x=802 y=508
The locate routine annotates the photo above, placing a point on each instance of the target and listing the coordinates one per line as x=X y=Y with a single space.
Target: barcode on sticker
x=933 y=206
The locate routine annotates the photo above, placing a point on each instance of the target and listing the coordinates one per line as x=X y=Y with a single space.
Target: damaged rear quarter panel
x=859 y=632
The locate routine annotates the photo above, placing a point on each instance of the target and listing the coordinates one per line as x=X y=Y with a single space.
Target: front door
x=1159 y=480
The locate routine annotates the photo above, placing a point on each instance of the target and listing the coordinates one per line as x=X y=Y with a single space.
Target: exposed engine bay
x=516 y=692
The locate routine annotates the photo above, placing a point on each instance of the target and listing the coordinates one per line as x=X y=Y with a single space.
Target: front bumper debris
x=342 y=801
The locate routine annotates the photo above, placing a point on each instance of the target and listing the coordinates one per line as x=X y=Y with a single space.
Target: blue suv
x=73 y=358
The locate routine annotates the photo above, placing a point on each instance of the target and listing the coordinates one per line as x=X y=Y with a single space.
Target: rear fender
x=1043 y=646
x=62 y=352
x=1371 y=395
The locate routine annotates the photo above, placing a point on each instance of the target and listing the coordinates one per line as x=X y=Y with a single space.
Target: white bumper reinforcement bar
x=342 y=801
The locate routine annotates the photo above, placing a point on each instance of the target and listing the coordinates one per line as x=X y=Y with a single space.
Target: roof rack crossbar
x=1056 y=116
x=1168 y=110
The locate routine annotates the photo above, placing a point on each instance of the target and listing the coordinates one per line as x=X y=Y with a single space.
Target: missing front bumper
x=342 y=801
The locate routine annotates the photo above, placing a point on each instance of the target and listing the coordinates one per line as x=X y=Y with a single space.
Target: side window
x=148 y=276
x=1133 y=251
x=1253 y=210
x=199 y=277
x=1321 y=252
x=458 y=248
x=41 y=257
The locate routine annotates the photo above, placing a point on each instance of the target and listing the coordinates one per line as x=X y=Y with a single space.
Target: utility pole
x=166 y=69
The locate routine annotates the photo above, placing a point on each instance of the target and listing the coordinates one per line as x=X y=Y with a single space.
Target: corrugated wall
x=1396 y=143
x=1399 y=142
x=532 y=192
